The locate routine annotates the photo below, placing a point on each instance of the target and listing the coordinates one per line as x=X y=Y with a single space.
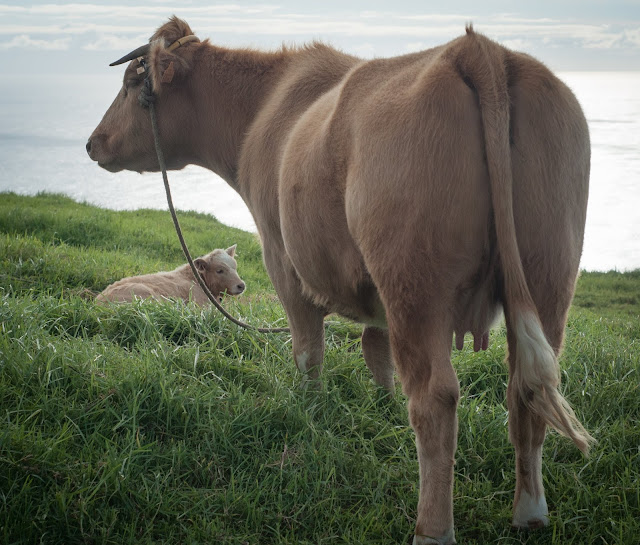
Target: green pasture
x=154 y=422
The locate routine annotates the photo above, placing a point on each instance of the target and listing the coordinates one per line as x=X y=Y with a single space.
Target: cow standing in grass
x=419 y=195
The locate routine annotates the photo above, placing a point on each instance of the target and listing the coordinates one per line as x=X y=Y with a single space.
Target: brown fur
x=217 y=268
x=418 y=194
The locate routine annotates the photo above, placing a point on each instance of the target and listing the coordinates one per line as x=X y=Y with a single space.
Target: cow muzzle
x=96 y=149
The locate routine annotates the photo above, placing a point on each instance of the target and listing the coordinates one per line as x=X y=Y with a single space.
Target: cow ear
x=231 y=250
x=200 y=264
x=166 y=67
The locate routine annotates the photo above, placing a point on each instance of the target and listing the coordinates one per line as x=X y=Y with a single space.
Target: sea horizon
x=43 y=130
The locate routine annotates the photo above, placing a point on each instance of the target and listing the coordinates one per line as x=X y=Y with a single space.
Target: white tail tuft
x=537 y=377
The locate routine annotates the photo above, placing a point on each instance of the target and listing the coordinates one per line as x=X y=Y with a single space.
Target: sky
x=83 y=37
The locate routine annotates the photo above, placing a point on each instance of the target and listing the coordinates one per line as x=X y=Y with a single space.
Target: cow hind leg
x=526 y=433
x=422 y=351
x=377 y=356
x=526 y=429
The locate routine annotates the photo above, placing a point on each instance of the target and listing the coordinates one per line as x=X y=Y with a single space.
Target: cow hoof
x=530 y=513
x=387 y=389
x=311 y=384
x=532 y=524
x=447 y=539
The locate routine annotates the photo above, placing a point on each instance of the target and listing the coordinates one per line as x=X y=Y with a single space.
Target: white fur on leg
x=530 y=512
x=447 y=539
x=301 y=361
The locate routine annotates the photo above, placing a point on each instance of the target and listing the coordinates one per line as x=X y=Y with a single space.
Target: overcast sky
x=85 y=36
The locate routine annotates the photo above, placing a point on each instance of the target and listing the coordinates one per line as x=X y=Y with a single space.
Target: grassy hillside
x=163 y=423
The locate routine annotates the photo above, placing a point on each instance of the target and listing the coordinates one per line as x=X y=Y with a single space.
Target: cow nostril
x=88 y=146
x=241 y=287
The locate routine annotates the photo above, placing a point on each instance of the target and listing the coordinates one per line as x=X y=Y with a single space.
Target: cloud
x=24 y=41
x=95 y=27
x=632 y=36
x=71 y=29
x=517 y=44
x=129 y=11
x=365 y=50
x=112 y=42
x=412 y=47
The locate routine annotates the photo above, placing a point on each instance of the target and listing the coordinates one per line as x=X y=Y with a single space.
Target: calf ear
x=200 y=264
x=231 y=250
x=166 y=67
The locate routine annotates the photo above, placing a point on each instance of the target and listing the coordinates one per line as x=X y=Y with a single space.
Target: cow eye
x=220 y=271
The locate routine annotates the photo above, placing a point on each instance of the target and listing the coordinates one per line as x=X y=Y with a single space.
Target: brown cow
x=217 y=268
x=418 y=195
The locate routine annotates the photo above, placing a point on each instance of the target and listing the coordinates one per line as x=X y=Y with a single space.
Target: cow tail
x=536 y=373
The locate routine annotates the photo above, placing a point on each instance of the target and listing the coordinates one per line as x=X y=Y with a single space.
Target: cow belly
x=313 y=221
x=325 y=256
x=331 y=271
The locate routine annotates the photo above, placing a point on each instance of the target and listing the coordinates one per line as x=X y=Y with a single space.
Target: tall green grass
x=162 y=423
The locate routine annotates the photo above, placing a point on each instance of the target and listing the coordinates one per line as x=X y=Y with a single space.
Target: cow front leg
x=306 y=320
x=377 y=356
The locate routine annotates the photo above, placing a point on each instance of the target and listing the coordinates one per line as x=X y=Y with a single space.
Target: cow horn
x=141 y=51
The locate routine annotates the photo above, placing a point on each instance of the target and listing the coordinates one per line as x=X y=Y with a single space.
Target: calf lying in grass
x=218 y=269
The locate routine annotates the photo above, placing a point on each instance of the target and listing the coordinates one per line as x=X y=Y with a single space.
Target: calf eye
x=220 y=271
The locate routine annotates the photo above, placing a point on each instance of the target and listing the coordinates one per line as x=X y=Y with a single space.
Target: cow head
x=123 y=140
x=220 y=272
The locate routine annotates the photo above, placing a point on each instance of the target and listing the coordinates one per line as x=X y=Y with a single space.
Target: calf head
x=124 y=140
x=219 y=271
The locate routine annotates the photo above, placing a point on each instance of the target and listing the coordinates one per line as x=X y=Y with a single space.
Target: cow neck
x=231 y=87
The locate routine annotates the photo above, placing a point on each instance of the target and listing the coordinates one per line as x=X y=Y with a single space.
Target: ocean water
x=45 y=123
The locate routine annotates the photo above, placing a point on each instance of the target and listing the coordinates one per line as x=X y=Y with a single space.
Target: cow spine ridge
x=536 y=372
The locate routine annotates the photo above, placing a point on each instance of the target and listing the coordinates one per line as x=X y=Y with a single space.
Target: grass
x=163 y=423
